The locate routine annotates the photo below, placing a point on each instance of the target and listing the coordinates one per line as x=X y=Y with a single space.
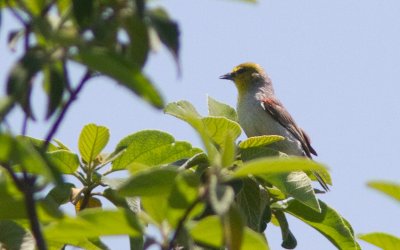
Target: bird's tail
x=321 y=181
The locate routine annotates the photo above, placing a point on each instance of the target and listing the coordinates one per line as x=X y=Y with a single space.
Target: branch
x=27 y=187
x=181 y=223
x=67 y=105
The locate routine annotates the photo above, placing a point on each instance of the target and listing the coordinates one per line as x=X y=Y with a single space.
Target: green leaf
x=167 y=30
x=208 y=231
x=94 y=223
x=54 y=85
x=233 y=225
x=328 y=222
x=6 y=105
x=23 y=155
x=218 y=128
x=92 y=141
x=382 y=240
x=288 y=239
x=66 y=161
x=139 y=39
x=220 y=196
x=151 y=148
x=390 y=189
x=37 y=143
x=123 y=71
x=19 y=84
x=258 y=141
x=277 y=165
x=183 y=110
x=14 y=236
x=249 y=154
x=12 y=205
x=252 y=203
x=83 y=12
x=228 y=151
x=216 y=108
x=296 y=185
x=252 y=240
x=61 y=194
x=152 y=182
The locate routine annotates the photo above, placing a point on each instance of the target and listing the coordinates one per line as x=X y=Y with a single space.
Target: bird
x=261 y=113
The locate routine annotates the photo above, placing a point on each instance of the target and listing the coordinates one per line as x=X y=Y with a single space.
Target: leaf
x=183 y=110
x=220 y=196
x=257 y=141
x=288 y=239
x=19 y=85
x=252 y=240
x=14 y=236
x=139 y=39
x=12 y=205
x=252 y=203
x=218 y=128
x=23 y=155
x=6 y=104
x=249 y=154
x=228 y=151
x=390 y=189
x=296 y=185
x=208 y=231
x=151 y=148
x=328 y=222
x=91 y=203
x=92 y=223
x=61 y=194
x=277 y=165
x=37 y=143
x=152 y=182
x=216 y=108
x=167 y=30
x=92 y=141
x=53 y=85
x=382 y=240
x=123 y=71
x=83 y=12
x=66 y=161
x=233 y=228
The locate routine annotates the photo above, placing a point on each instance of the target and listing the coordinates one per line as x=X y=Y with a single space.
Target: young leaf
x=328 y=222
x=151 y=148
x=66 y=161
x=277 y=165
x=218 y=128
x=258 y=141
x=390 y=189
x=14 y=236
x=216 y=108
x=123 y=71
x=382 y=240
x=92 y=141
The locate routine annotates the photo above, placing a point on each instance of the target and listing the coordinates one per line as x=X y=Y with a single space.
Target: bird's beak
x=228 y=76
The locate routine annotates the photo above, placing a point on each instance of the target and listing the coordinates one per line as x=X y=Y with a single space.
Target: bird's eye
x=240 y=71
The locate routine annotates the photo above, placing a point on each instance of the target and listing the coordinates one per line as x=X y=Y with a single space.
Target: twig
x=24 y=125
x=71 y=99
x=181 y=223
x=26 y=186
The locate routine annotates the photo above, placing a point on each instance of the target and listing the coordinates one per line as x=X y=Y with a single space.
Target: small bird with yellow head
x=261 y=113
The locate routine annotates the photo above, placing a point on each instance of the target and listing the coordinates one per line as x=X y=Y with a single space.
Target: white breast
x=256 y=121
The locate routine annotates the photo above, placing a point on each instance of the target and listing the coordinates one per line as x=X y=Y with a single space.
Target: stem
x=67 y=105
x=25 y=125
x=181 y=223
x=27 y=187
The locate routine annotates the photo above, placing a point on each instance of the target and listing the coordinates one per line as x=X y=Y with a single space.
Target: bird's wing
x=275 y=108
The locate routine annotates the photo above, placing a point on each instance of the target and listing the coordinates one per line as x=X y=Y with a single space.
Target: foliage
x=379 y=239
x=223 y=195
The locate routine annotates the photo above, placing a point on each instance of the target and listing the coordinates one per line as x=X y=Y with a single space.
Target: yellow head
x=246 y=75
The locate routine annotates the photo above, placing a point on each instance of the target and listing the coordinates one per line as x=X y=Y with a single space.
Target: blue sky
x=334 y=64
